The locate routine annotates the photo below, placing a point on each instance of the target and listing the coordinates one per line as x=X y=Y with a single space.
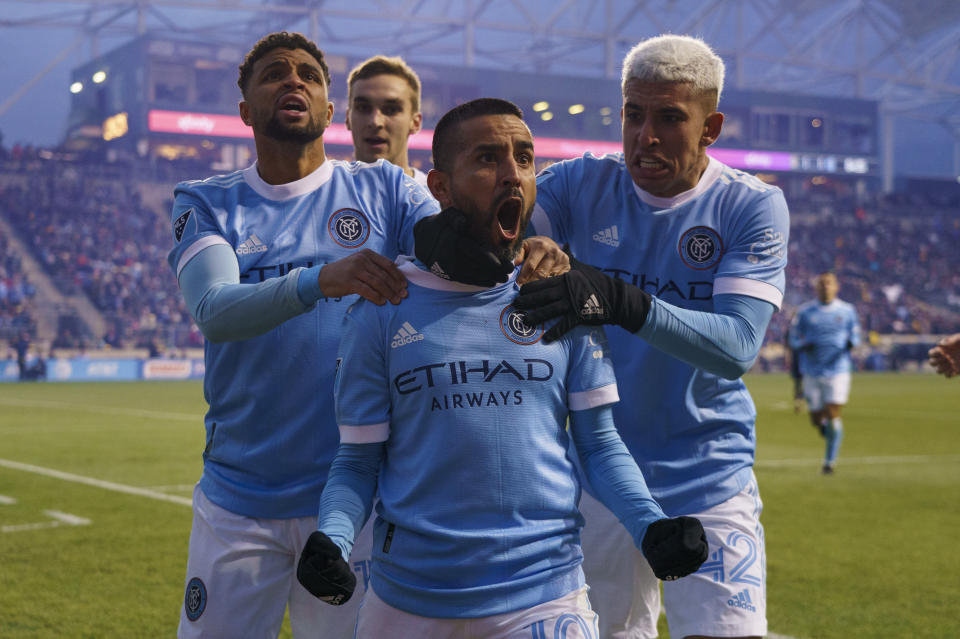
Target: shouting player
x=455 y=410
x=689 y=256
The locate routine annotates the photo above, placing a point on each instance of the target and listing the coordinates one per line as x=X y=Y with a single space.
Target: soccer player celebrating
x=823 y=332
x=455 y=410
x=689 y=257
x=384 y=111
x=268 y=259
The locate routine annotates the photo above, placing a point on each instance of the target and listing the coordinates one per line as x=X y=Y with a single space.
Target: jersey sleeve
x=361 y=388
x=590 y=378
x=413 y=202
x=194 y=227
x=553 y=203
x=754 y=263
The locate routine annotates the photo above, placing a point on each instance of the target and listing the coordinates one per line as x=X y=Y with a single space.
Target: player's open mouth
x=293 y=104
x=508 y=218
x=375 y=141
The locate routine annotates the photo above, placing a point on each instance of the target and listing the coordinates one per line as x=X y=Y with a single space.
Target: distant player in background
x=383 y=111
x=945 y=356
x=454 y=408
x=823 y=332
x=268 y=260
x=690 y=258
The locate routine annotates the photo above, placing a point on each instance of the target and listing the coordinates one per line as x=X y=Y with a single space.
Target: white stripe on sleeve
x=365 y=434
x=204 y=242
x=584 y=400
x=750 y=288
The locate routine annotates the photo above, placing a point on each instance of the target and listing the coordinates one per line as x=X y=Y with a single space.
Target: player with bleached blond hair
x=688 y=260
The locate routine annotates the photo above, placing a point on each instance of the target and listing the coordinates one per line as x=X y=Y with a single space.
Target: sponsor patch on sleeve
x=180 y=224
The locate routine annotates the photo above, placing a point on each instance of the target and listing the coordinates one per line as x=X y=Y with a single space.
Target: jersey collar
x=320 y=176
x=710 y=175
x=415 y=273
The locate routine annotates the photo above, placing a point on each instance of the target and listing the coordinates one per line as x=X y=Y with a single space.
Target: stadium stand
x=102 y=228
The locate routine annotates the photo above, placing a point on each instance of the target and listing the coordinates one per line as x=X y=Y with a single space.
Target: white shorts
x=725 y=598
x=567 y=617
x=241 y=576
x=820 y=391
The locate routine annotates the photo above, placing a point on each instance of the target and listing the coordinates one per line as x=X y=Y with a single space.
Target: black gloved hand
x=675 y=547
x=444 y=244
x=323 y=572
x=584 y=295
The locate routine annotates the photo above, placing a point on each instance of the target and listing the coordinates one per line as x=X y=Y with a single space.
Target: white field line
x=6 y=501
x=98 y=483
x=774 y=635
x=784 y=406
x=59 y=519
x=853 y=461
x=126 y=412
x=173 y=488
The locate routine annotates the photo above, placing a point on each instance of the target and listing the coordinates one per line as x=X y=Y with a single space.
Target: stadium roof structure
x=902 y=53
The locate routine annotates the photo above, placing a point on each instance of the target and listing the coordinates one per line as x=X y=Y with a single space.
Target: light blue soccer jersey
x=691 y=432
x=821 y=333
x=271 y=432
x=478 y=494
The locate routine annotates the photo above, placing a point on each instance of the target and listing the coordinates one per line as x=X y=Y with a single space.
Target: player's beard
x=482 y=222
x=301 y=135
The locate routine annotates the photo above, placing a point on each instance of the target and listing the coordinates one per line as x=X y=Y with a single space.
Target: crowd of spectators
x=16 y=293
x=87 y=227
x=895 y=256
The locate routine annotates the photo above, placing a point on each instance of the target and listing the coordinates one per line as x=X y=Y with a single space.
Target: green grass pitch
x=869 y=552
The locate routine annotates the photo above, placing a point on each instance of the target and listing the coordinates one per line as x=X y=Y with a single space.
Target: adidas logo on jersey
x=609 y=236
x=742 y=600
x=406 y=335
x=591 y=308
x=252 y=245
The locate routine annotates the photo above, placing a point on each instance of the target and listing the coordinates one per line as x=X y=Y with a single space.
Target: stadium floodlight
x=606 y=111
x=76 y=87
x=575 y=109
x=546 y=116
x=541 y=106
x=607 y=120
x=816 y=123
x=99 y=77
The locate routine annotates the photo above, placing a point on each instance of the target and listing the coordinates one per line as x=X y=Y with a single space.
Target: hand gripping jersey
x=271 y=433
x=478 y=495
x=691 y=432
x=821 y=333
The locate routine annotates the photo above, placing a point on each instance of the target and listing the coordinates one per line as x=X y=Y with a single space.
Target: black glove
x=675 y=547
x=323 y=572
x=444 y=244
x=584 y=295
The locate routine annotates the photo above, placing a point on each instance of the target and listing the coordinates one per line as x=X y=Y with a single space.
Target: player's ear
x=346 y=120
x=711 y=128
x=329 y=112
x=439 y=184
x=245 y=112
x=417 y=123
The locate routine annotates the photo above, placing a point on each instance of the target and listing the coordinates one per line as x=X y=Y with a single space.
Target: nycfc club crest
x=700 y=247
x=349 y=228
x=195 y=600
x=517 y=330
x=180 y=224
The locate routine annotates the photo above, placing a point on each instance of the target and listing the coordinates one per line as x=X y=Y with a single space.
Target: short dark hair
x=446 y=134
x=382 y=65
x=279 y=40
